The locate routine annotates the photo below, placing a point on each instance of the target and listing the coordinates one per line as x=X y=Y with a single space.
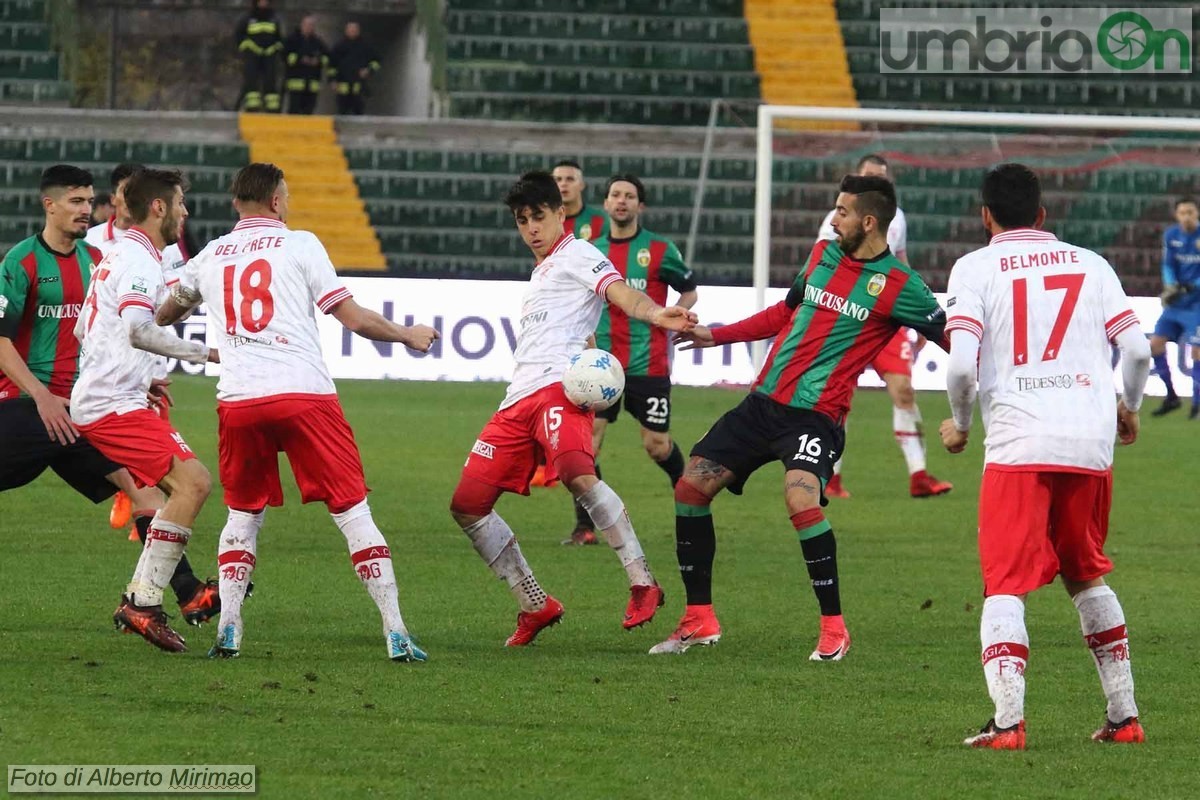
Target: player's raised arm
x=375 y=326
x=638 y=305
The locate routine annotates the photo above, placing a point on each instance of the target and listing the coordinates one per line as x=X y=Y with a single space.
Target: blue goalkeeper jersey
x=1181 y=264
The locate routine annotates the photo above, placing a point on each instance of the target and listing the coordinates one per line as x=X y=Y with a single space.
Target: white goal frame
x=767 y=114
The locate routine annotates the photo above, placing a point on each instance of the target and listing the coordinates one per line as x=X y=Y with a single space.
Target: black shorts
x=648 y=399
x=759 y=430
x=26 y=451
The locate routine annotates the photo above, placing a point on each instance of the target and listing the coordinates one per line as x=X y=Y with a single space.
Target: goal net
x=1109 y=184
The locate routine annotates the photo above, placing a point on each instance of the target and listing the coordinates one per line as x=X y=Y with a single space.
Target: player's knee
x=689 y=494
x=574 y=469
x=1158 y=345
x=904 y=395
x=472 y=500
x=658 y=445
x=197 y=481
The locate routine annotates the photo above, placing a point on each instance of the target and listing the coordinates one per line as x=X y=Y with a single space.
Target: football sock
x=837 y=467
x=609 y=514
x=497 y=546
x=236 y=558
x=582 y=520
x=1103 y=625
x=672 y=464
x=906 y=425
x=165 y=542
x=1163 y=370
x=819 y=547
x=695 y=543
x=1195 y=387
x=184 y=582
x=372 y=561
x=1005 y=654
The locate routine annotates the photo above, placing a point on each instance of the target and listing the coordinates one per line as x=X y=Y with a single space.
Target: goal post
x=766 y=137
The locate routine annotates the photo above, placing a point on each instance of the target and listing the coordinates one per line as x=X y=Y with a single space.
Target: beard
x=851 y=240
x=171 y=229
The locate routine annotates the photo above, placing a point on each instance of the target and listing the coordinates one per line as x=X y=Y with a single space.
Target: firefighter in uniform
x=352 y=62
x=260 y=43
x=307 y=59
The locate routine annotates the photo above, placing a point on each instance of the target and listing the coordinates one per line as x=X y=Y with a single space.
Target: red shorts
x=896 y=358
x=141 y=440
x=1034 y=525
x=314 y=434
x=506 y=453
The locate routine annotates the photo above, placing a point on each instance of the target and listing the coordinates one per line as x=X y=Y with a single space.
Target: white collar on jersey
x=136 y=234
x=258 y=222
x=1023 y=235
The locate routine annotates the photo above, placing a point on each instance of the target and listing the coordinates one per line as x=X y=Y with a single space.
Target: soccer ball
x=594 y=380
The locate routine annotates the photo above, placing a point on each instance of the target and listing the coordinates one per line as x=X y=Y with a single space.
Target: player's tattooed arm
x=178 y=305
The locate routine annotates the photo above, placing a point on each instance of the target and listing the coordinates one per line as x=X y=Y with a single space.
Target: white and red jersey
x=261 y=283
x=114 y=376
x=897 y=233
x=104 y=237
x=559 y=311
x=1045 y=312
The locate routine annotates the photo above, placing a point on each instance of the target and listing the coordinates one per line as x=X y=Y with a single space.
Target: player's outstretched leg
x=695 y=548
x=372 y=561
x=496 y=544
x=584 y=532
x=237 y=555
x=188 y=484
x=608 y=513
x=1103 y=624
x=1005 y=653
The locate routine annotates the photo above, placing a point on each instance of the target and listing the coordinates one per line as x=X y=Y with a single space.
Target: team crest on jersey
x=643 y=257
x=585 y=232
x=876 y=284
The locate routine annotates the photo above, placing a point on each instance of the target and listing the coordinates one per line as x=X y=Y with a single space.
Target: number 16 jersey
x=261 y=283
x=1045 y=312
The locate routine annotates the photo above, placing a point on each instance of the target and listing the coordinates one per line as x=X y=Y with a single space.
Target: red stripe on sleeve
x=327 y=303
x=605 y=282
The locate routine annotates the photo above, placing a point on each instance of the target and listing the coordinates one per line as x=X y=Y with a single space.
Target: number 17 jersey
x=1045 y=312
x=261 y=283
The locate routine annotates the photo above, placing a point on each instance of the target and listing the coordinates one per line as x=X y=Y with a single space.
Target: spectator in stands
x=102 y=209
x=307 y=59
x=260 y=42
x=351 y=63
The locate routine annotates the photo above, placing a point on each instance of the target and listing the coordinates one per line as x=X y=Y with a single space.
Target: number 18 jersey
x=261 y=283
x=1045 y=312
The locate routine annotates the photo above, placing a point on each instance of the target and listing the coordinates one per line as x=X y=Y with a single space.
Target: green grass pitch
x=314 y=703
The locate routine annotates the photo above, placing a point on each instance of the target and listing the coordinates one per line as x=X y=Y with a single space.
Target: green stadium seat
x=225 y=155
x=149 y=153
x=13 y=149
x=10 y=205
x=1103 y=94
x=45 y=150
x=22 y=11
x=458 y=161
x=361 y=157
x=371 y=186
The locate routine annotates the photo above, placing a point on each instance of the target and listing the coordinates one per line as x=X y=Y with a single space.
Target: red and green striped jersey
x=650 y=263
x=844 y=312
x=41 y=295
x=589 y=224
